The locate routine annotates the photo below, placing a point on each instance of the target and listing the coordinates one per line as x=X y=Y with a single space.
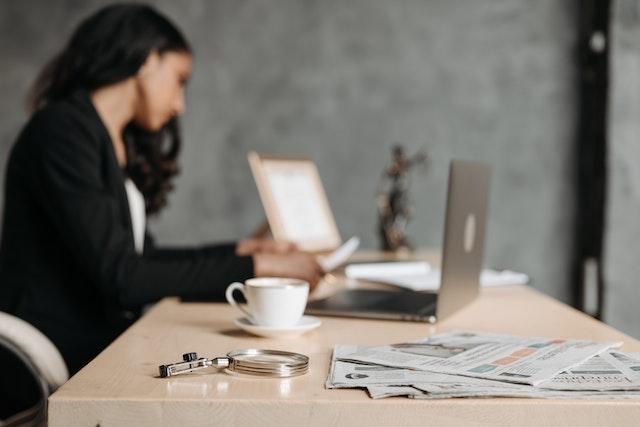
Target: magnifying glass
x=263 y=363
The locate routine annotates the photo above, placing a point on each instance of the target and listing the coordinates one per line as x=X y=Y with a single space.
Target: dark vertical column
x=591 y=149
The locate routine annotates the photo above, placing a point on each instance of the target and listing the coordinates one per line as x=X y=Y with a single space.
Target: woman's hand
x=256 y=246
x=297 y=265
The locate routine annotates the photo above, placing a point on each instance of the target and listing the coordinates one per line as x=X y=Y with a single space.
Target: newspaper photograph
x=524 y=360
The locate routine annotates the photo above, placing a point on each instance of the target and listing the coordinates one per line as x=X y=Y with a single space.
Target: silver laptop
x=462 y=258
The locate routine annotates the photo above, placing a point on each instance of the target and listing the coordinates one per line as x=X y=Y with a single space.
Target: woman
x=98 y=155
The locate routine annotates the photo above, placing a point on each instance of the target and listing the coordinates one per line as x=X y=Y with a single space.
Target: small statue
x=393 y=199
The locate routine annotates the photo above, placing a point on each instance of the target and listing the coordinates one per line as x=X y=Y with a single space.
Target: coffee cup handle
x=229 y=294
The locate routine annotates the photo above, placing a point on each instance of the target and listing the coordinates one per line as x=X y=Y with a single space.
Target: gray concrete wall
x=339 y=81
x=622 y=272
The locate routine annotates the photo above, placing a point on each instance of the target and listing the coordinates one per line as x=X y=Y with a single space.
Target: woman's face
x=160 y=85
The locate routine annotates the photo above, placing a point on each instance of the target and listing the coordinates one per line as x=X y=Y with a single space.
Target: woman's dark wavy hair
x=110 y=46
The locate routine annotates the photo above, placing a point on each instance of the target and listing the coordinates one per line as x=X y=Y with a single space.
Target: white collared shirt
x=138 y=214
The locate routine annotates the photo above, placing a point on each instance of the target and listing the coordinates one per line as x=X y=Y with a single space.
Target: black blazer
x=67 y=260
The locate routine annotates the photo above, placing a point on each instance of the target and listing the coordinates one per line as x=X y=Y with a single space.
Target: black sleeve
x=68 y=167
x=220 y=249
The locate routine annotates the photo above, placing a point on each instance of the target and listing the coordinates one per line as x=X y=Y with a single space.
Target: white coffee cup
x=271 y=301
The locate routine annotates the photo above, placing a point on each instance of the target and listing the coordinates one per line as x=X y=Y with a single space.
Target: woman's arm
x=270 y=258
x=220 y=249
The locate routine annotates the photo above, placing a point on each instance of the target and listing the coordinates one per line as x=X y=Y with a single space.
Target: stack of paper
x=419 y=276
x=470 y=364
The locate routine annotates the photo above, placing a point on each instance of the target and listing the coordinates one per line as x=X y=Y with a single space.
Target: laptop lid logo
x=469 y=233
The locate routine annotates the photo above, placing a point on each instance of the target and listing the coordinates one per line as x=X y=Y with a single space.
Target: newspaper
x=612 y=370
x=506 y=358
x=414 y=392
x=382 y=391
x=345 y=374
x=610 y=375
x=383 y=381
x=532 y=393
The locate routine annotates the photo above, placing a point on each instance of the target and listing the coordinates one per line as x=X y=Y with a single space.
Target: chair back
x=39 y=358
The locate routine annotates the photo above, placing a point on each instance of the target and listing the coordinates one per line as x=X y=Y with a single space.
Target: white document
x=301 y=209
x=388 y=270
x=340 y=256
x=507 y=358
x=419 y=276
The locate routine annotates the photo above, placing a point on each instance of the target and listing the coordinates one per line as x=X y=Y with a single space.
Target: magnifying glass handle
x=220 y=362
x=191 y=363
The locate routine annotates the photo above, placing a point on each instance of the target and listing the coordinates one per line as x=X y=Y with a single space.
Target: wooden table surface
x=120 y=386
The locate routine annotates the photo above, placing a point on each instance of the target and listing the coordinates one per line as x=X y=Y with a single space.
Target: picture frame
x=295 y=201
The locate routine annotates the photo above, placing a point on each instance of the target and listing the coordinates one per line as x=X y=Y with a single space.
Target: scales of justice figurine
x=394 y=210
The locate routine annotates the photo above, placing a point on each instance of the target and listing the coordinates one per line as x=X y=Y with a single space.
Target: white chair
x=41 y=359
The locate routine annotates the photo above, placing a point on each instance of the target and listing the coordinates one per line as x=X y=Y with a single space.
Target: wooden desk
x=120 y=386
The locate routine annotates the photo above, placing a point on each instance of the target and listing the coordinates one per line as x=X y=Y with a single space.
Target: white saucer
x=305 y=324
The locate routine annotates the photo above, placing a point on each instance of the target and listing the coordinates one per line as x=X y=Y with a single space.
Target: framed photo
x=295 y=202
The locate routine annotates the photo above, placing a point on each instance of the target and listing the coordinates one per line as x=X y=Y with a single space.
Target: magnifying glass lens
x=268 y=363
x=265 y=359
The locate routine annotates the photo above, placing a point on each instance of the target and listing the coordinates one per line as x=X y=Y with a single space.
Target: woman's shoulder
x=70 y=113
x=69 y=120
